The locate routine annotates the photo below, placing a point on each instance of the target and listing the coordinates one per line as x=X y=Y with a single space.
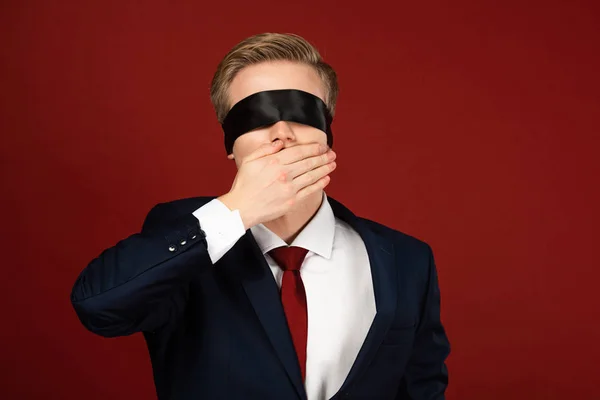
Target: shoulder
x=413 y=257
x=405 y=245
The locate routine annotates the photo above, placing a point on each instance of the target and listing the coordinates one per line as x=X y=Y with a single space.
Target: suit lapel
x=384 y=276
x=254 y=273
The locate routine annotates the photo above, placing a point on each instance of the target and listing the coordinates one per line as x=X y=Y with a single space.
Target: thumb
x=265 y=150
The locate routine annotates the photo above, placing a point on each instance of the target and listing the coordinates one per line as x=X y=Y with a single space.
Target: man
x=273 y=290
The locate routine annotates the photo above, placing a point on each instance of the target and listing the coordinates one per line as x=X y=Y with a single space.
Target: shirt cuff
x=223 y=227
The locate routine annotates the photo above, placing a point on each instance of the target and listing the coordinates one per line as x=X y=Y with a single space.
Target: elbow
x=98 y=317
x=101 y=321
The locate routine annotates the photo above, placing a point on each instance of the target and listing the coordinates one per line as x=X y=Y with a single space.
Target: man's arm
x=426 y=376
x=141 y=283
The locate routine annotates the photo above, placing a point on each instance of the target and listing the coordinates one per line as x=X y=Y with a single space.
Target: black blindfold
x=266 y=108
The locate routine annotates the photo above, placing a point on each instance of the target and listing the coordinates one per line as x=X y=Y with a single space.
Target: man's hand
x=270 y=180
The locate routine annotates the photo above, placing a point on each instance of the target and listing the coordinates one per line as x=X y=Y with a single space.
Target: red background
x=471 y=126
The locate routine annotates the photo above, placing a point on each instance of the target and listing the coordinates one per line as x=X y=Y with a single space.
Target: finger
x=308 y=164
x=307 y=191
x=299 y=152
x=265 y=150
x=312 y=176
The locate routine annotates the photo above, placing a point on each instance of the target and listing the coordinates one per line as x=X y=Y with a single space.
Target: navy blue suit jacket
x=219 y=331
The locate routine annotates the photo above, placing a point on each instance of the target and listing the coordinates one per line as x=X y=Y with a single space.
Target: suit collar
x=384 y=274
x=317 y=236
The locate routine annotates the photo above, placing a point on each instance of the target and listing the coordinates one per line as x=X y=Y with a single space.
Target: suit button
x=172 y=248
x=183 y=242
x=194 y=237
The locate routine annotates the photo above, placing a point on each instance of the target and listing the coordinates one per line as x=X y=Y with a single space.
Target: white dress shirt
x=337 y=278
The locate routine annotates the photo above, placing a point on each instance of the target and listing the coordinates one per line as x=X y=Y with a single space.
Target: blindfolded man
x=273 y=290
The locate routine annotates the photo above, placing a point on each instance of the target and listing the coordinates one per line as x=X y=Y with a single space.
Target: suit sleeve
x=141 y=283
x=426 y=376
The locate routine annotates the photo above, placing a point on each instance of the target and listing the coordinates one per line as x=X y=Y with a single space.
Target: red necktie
x=293 y=297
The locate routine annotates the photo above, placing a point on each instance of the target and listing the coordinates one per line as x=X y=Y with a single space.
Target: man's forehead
x=234 y=101
x=275 y=76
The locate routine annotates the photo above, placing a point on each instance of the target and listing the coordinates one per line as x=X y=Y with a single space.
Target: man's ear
x=231 y=156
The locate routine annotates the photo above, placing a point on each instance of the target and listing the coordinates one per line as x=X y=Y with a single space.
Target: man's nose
x=282 y=130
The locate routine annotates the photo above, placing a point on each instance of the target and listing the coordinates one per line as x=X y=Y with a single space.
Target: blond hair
x=269 y=47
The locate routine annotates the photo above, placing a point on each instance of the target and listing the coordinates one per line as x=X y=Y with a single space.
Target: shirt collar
x=317 y=235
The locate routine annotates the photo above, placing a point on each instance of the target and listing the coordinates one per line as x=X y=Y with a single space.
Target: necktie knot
x=289 y=258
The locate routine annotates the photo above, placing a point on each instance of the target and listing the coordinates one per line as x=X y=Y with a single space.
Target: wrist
x=231 y=202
